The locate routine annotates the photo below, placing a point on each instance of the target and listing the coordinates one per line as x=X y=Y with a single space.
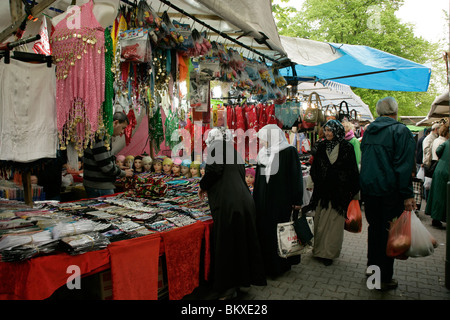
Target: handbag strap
x=318 y=101
x=346 y=105
x=330 y=106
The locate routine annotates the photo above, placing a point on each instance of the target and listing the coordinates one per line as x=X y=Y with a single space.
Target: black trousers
x=379 y=212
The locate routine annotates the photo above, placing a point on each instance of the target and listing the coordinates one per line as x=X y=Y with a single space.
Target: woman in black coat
x=235 y=252
x=336 y=181
x=278 y=191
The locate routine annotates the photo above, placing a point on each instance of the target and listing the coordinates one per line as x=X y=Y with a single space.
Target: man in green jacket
x=387 y=163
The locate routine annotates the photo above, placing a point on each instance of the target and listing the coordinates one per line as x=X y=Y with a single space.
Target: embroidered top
x=78 y=50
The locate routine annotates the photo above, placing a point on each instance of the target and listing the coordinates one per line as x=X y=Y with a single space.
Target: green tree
x=371 y=23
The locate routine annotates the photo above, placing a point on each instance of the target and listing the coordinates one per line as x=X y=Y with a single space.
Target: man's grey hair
x=387 y=106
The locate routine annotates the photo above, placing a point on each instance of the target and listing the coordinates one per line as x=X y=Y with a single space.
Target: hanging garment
x=78 y=48
x=27 y=111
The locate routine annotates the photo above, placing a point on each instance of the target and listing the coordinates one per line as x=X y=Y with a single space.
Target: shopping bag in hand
x=399 y=238
x=288 y=244
x=422 y=242
x=303 y=230
x=353 y=222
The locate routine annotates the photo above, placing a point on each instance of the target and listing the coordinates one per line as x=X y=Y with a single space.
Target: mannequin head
x=167 y=165
x=120 y=160
x=129 y=160
x=202 y=168
x=195 y=169
x=176 y=168
x=158 y=164
x=146 y=164
x=137 y=165
x=185 y=168
x=250 y=176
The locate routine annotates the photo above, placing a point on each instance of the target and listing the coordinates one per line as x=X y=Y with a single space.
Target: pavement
x=418 y=278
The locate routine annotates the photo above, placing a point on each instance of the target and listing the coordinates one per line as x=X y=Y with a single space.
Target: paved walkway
x=418 y=278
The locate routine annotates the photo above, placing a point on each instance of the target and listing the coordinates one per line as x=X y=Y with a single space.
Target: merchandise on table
x=86 y=225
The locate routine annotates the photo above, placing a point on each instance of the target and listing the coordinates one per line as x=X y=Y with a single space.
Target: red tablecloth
x=133 y=263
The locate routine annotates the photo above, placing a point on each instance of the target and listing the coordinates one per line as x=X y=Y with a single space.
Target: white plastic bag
x=422 y=242
x=288 y=244
x=427 y=183
x=421 y=174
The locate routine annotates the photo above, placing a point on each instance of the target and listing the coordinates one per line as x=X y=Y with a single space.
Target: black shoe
x=393 y=284
x=327 y=262
x=229 y=294
x=437 y=224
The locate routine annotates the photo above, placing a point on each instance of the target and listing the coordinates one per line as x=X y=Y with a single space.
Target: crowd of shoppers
x=378 y=168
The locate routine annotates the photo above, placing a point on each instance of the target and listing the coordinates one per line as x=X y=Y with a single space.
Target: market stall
x=439 y=109
x=176 y=69
x=124 y=233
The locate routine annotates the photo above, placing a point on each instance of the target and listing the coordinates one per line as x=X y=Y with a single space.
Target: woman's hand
x=202 y=193
x=296 y=207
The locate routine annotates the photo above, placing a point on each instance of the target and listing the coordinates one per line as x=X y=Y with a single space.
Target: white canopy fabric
x=439 y=109
x=334 y=93
x=309 y=52
x=249 y=21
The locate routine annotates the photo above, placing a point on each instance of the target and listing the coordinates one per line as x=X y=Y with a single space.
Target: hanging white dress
x=27 y=111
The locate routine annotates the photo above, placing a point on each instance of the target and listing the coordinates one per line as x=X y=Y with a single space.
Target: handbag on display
x=331 y=112
x=342 y=115
x=313 y=113
x=288 y=243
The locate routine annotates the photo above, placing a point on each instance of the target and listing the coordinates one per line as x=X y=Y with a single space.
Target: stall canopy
x=439 y=109
x=354 y=65
x=334 y=93
x=236 y=23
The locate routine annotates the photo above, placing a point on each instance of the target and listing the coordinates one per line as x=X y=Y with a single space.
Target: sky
x=426 y=15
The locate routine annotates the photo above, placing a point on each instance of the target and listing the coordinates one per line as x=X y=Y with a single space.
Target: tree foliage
x=371 y=23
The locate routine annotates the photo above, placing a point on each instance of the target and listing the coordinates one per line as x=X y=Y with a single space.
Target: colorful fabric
x=80 y=77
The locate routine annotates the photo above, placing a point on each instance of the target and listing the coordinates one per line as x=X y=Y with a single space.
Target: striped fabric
x=99 y=167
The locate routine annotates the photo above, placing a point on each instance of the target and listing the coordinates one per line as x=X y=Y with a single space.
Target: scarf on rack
x=338 y=132
x=276 y=142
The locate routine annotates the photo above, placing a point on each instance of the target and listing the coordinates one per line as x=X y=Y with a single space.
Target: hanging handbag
x=313 y=113
x=288 y=243
x=342 y=114
x=330 y=112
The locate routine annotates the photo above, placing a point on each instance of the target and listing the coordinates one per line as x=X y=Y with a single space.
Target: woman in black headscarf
x=236 y=259
x=336 y=181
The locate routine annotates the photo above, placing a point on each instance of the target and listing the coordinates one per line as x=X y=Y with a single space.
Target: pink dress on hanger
x=78 y=49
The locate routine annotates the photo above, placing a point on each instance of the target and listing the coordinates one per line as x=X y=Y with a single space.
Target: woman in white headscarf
x=236 y=259
x=278 y=190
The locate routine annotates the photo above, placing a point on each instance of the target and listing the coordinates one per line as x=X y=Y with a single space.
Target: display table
x=133 y=264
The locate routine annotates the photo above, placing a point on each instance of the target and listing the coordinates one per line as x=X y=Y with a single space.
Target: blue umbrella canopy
x=364 y=67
